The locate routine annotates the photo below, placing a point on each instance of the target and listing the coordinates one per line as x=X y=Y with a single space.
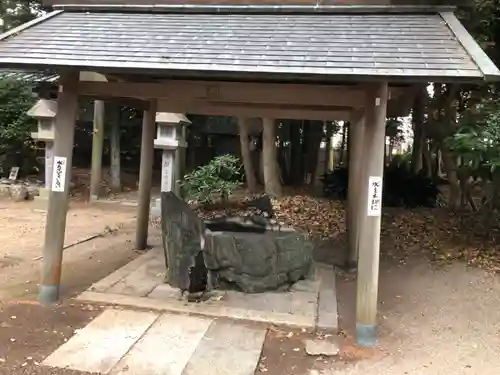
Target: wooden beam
x=142 y=105
x=231 y=92
x=252 y=111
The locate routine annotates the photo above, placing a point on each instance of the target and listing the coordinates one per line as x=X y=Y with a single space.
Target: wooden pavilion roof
x=334 y=45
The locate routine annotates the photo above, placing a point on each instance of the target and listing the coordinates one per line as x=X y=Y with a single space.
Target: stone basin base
x=141 y=284
x=230 y=253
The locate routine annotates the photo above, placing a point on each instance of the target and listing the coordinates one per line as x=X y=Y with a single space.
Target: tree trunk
x=296 y=152
x=466 y=184
x=427 y=158
x=418 y=132
x=114 y=137
x=329 y=132
x=315 y=146
x=390 y=151
x=495 y=196
x=246 y=155
x=343 y=142
x=451 y=172
x=272 y=179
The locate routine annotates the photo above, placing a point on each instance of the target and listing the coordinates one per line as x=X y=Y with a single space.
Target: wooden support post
x=97 y=147
x=55 y=226
x=115 y=167
x=355 y=211
x=145 y=176
x=371 y=200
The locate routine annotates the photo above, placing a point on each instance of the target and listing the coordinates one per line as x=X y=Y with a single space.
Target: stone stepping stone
x=120 y=342
x=165 y=348
x=227 y=349
x=103 y=342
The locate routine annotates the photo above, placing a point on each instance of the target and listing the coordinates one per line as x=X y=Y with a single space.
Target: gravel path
x=432 y=322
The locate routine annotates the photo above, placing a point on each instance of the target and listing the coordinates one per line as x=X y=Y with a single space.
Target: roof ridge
x=271 y=9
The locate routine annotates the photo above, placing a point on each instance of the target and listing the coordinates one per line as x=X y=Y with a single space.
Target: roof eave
x=489 y=70
x=27 y=25
x=249 y=76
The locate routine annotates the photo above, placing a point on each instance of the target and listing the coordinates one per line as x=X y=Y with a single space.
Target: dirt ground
x=432 y=320
x=88 y=228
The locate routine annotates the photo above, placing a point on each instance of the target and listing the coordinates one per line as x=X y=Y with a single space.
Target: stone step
x=120 y=342
x=165 y=348
x=227 y=349
x=103 y=342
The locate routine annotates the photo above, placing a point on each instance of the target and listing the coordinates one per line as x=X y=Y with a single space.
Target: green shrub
x=16 y=145
x=217 y=179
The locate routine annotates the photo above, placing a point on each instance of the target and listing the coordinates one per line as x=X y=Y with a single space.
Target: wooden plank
x=165 y=348
x=231 y=92
x=255 y=111
x=99 y=346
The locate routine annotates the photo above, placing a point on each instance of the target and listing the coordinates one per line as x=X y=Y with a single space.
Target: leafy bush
x=217 y=179
x=335 y=183
x=16 y=145
x=401 y=187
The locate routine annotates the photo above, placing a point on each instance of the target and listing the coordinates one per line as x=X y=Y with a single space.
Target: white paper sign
x=374 y=196
x=166 y=171
x=14 y=171
x=59 y=173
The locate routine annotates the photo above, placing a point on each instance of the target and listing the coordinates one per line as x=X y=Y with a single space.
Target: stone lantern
x=171 y=138
x=44 y=111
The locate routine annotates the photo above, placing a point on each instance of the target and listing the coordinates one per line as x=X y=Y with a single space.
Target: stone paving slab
x=141 y=281
x=227 y=349
x=309 y=304
x=165 y=348
x=103 y=342
x=125 y=342
x=212 y=310
x=328 y=317
x=114 y=278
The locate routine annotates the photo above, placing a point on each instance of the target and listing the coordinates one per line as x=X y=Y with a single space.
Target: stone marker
x=322 y=347
x=14 y=171
x=18 y=193
x=182 y=234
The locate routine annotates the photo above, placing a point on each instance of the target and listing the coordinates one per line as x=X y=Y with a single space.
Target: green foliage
x=16 y=98
x=394 y=130
x=217 y=179
x=16 y=12
x=478 y=138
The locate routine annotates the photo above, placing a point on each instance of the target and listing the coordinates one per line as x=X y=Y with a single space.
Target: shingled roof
x=422 y=46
